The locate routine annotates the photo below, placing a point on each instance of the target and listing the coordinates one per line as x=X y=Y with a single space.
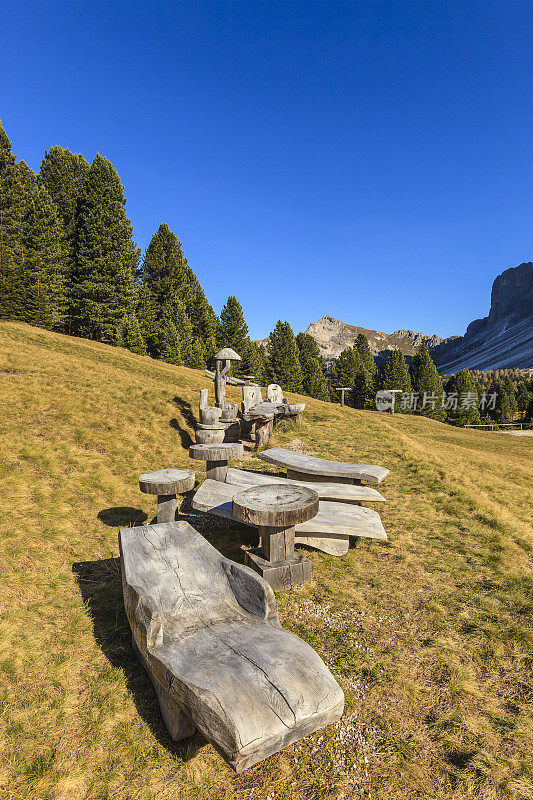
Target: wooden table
x=275 y=510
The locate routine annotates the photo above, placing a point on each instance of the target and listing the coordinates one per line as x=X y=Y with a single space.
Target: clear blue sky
x=372 y=161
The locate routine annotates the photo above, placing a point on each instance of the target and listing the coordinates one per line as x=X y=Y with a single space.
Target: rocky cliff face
x=503 y=339
x=333 y=336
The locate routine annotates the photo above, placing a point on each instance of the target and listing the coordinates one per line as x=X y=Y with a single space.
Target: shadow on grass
x=122 y=516
x=185 y=436
x=100 y=585
x=187 y=414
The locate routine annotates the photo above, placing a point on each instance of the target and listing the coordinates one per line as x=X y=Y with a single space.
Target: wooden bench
x=309 y=468
x=207 y=631
x=341 y=492
x=329 y=530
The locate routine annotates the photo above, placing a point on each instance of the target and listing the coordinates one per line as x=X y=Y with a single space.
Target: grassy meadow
x=429 y=634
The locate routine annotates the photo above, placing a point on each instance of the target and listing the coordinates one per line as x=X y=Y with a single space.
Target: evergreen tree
x=196 y=355
x=284 y=360
x=44 y=261
x=314 y=382
x=344 y=373
x=511 y=393
x=522 y=396
x=365 y=378
x=502 y=412
x=233 y=332
x=129 y=335
x=169 y=343
x=464 y=388
x=104 y=288
x=64 y=174
x=167 y=277
x=394 y=373
x=12 y=209
x=428 y=384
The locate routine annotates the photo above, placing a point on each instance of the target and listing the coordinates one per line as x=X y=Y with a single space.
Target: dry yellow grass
x=429 y=635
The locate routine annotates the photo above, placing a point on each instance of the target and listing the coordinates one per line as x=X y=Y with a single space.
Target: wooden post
x=342 y=389
x=216 y=470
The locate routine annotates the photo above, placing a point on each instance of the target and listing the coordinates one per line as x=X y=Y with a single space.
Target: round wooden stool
x=166 y=484
x=275 y=509
x=216 y=457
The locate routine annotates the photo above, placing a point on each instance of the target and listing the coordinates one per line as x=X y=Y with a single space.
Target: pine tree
x=44 y=262
x=427 y=383
x=64 y=174
x=169 y=343
x=168 y=278
x=284 y=360
x=365 y=379
x=104 y=288
x=522 y=396
x=233 y=332
x=344 y=373
x=314 y=382
x=464 y=388
x=511 y=393
x=12 y=209
x=196 y=355
x=129 y=335
x=394 y=373
x=502 y=412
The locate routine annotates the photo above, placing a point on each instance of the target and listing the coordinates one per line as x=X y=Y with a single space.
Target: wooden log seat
x=207 y=631
x=216 y=457
x=341 y=492
x=302 y=467
x=166 y=484
x=329 y=530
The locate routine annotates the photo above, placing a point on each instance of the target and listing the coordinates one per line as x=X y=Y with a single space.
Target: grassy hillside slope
x=429 y=634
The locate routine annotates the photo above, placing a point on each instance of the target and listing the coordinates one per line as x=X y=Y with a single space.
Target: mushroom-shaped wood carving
x=223 y=361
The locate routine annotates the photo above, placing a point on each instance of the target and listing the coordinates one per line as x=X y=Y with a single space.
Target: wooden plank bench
x=341 y=492
x=329 y=531
x=309 y=468
x=208 y=633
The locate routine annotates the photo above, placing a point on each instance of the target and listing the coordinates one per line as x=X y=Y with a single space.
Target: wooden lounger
x=207 y=631
x=302 y=467
x=329 y=531
x=343 y=492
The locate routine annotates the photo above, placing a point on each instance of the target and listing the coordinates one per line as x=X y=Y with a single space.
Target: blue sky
x=368 y=160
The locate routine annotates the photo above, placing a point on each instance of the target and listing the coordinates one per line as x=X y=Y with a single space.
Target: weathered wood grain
x=208 y=633
x=216 y=452
x=167 y=481
x=342 y=492
x=310 y=465
x=275 y=505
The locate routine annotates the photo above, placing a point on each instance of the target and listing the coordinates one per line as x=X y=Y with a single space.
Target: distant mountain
x=333 y=336
x=504 y=339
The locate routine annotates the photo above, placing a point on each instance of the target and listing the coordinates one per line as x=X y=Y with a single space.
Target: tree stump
x=275 y=510
x=166 y=484
x=216 y=457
